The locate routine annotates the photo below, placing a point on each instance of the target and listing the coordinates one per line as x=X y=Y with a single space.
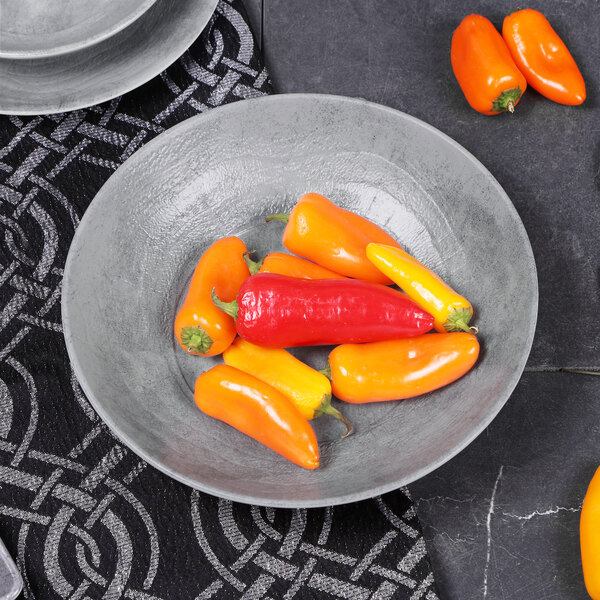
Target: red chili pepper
x=276 y=311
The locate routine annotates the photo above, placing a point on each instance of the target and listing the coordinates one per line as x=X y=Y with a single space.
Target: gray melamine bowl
x=219 y=174
x=55 y=83
x=37 y=28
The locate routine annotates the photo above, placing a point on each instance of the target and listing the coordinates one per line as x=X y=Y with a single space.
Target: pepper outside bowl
x=219 y=174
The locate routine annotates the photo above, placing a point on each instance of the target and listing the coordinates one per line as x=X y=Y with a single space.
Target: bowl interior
x=220 y=174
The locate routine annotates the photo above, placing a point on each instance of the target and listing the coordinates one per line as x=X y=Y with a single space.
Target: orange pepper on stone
x=484 y=67
x=589 y=537
x=542 y=57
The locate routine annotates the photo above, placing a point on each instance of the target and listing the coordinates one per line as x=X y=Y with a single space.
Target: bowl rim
x=477 y=427
x=75 y=46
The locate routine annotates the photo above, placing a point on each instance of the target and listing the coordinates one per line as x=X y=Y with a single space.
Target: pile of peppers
x=494 y=70
x=335 y=289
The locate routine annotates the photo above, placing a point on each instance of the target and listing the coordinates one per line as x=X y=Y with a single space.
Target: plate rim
x=67 y=48
x=200 y=10
x=475 y=431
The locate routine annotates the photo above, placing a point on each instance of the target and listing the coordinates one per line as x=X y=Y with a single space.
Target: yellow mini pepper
x=589 y=537
x=451 y=312
x=308 y=389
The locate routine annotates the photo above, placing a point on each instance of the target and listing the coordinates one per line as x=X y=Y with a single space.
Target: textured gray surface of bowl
x=11 y=582
x=220 y=174
x=32 y=29
x=129 y=58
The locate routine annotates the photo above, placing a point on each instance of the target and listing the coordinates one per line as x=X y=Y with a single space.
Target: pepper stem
x=230 y=308
x=506 y=100
x=580 y=371
x=283 y=217
x=458 y=320
x=195 y=339
x=326 y=371
x=253 y=265
x=325 y=408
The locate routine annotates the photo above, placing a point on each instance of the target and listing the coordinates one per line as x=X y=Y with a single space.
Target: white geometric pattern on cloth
x=84 y=517
x=287 y=553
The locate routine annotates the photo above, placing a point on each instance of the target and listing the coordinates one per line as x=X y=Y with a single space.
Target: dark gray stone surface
x=501 y=519
x=255 y=13
x=546 y=156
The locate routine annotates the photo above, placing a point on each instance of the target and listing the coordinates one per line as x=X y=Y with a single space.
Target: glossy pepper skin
x=258 y=410
x=308 y=389
x=589 y=537
x=276 y=311
x=542 y=57
x=200 y=328
x=290 y=265
x=450 y=310
x=333 y=237
x=398 y=369
x=484 y=68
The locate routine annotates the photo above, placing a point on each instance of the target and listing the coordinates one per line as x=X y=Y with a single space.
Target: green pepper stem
x=580 y=371
x=196 y=340
x=326 y=371
x=283 y=217
x=464 y=326
x=230 y=308
x=325 y=408
x=458 y=320
x=253 y=265
x=506 y=100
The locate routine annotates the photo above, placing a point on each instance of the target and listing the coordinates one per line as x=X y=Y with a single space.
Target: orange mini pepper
x=542 y=57
x=307 y=388
x=484 y=67
x=333 y=237
x=450 y=310
x=200 y=327
x=589 y=537
x=258 y=410
x=290 y=265
x=398 y=369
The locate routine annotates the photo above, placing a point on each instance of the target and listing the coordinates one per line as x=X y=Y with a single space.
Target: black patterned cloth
x=83 y=516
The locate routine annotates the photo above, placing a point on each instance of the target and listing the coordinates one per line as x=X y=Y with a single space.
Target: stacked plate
x=67 y=54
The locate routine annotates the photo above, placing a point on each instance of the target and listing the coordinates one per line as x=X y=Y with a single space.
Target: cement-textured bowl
x=33 y=29
x=219 y=174
x=55 y=83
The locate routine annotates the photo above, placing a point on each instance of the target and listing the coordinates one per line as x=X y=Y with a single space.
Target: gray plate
x=107 y=69
x=37 y=28
x=219 y=174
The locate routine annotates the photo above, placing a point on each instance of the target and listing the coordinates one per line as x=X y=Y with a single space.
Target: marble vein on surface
x=501 y=520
